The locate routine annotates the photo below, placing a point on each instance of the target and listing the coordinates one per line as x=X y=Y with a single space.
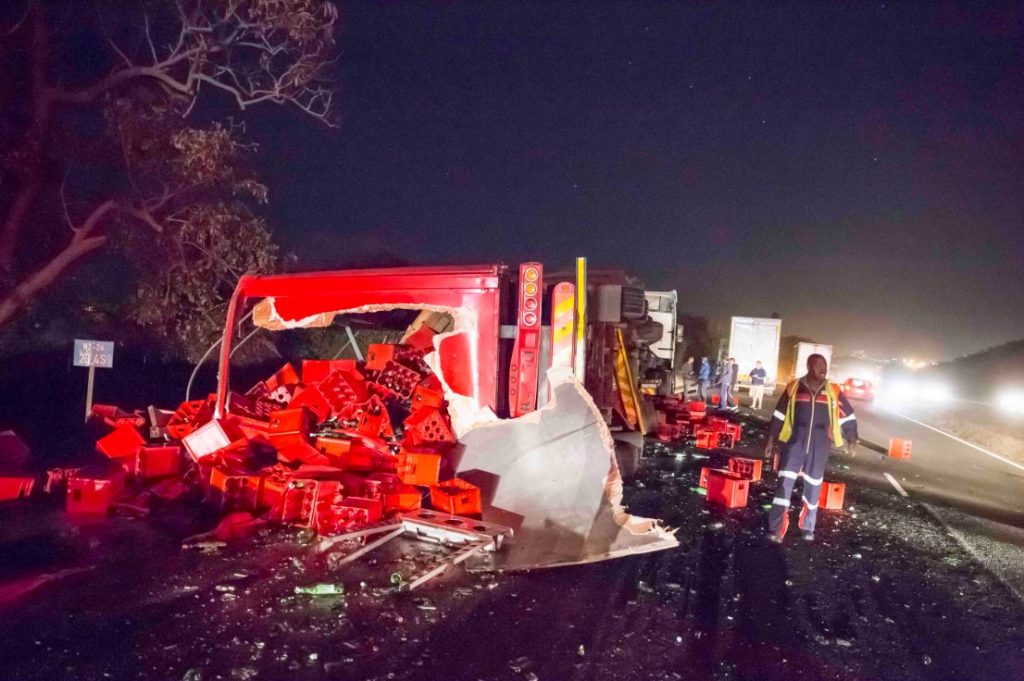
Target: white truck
x=805 y=350
x=662 y=308
x=756 y=339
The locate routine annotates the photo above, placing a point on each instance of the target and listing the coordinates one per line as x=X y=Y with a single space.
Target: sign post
x=92 y=354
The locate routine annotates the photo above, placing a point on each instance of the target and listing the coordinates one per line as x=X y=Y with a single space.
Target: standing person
x=812 y=416
x=689 y=377
x=703 y=379
x=733 y=393
x=757 y=377
x=725 y=383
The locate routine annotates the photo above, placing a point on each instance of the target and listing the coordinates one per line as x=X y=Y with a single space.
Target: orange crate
x=456 y=496
x=900 y=448
x=402 y=497
x=419 y=467
x=832 y=495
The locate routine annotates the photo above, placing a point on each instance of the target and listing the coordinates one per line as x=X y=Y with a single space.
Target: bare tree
x=163 y=56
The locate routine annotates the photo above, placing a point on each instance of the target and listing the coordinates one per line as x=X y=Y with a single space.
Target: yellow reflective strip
x=564 y=307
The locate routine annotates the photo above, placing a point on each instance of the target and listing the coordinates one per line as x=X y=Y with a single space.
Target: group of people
x=724 y=380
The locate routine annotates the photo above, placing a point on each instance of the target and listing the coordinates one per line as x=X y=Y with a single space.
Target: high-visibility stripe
x=563 y=318
x=627 y=386
x=779 y=415
x=851 y=417
x=808 y=480
x=808 y=505
x=792 y=475
x=579 y=358
x=780 y=501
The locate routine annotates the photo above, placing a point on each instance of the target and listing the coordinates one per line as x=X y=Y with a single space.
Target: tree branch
x=82 y=243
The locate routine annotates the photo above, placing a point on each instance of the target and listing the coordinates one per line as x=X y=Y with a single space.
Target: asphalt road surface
x=895 y=587
x=942 y=469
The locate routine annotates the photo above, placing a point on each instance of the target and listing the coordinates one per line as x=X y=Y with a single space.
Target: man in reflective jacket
x=811 y=418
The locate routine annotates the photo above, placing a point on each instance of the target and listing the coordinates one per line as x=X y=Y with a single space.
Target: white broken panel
x=551 y=476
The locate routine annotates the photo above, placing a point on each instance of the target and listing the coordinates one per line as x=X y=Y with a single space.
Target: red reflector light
x=529 y=319
x=530 y=303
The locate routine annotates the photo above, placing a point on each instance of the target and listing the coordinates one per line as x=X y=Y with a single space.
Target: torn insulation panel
x=552 y=476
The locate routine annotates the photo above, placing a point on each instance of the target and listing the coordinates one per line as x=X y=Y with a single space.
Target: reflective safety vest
x=835 y=431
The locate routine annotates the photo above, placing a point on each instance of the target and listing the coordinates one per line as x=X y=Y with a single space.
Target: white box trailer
x=756 y=339
x=805 y=350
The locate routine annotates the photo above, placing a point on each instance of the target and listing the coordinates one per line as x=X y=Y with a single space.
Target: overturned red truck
x=503 y=401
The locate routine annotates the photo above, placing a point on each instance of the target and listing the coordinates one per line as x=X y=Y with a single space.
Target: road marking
x=995 y=569
x=961 y=441
x=898 y=486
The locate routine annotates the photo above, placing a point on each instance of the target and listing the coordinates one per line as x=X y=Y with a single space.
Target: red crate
x=428 y=426
x=15 y=487
x=402 y=498
x=374 y=421
x=399 y=379
x=705 y=438
x=286 y=375
x=359 y=457
x=122 y=443
x=93 y=493
x=670 y=432
x=301 y=496
x=303 y=453
x=456 y=496
x=832 y=496
x=272 y=490
x=316 y=370
x=343 y=514
x=343 y=388
x=188 y=417
x=419 y=466
x=333 y=447
x=423 y=396
x=289 y=427
x=231 y=491
x=725 y=489
x=705 y=471
x=157 y=462
x=312 y=399
x=718 y=424
x=378 y=355
x=749 y=469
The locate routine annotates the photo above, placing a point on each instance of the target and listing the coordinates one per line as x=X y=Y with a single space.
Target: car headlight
x=1011 y=400
x=938 y=393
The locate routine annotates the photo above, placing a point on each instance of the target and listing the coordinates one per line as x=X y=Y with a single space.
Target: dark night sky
x=856 y=167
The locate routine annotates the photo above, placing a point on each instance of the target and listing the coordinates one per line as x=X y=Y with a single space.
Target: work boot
x=808 y=535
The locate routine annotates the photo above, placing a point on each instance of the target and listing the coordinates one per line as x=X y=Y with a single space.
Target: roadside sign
x=93 y=353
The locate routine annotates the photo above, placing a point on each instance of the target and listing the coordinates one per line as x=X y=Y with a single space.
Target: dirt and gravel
x=988 y=428
x=884 y=593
